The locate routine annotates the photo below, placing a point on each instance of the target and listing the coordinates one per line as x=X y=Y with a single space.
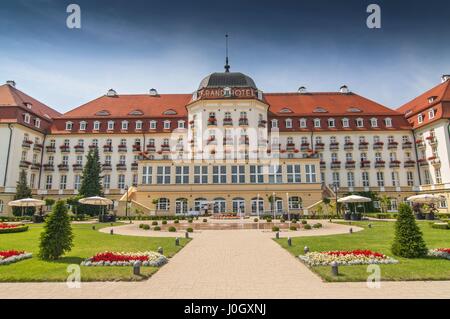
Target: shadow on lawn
x=67 y=260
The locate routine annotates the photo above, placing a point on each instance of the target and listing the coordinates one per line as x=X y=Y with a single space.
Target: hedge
x=14 y=230
x=440 y=226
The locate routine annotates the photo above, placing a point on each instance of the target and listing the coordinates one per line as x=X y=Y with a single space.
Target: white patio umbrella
x=95 y=201
x=26 y=202
x=426 y=198
x=354 y=199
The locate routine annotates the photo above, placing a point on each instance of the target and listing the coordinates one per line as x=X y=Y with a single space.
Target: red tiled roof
x=120 y=106
x=10 y=96
x=336 y=104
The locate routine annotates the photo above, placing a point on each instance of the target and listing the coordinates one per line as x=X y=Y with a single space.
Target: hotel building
x=228 y=146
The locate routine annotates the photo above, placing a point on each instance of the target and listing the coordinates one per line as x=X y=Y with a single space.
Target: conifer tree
x=91 y=182
x=22 y=191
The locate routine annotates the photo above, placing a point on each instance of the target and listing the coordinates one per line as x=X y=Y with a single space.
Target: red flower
x=10 y=253
x=116 y=257
x=7 y=226
x=367 y=253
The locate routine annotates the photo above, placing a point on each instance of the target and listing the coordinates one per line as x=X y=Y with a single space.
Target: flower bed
x=354 y=257
x=440 y=252
x=108 y=258
x=12 y=256
x=12 y=228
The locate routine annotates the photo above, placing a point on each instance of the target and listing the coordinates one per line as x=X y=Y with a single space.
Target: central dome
x=227 y=79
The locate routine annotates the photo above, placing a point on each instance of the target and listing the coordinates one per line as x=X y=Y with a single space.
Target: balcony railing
x=79 y=149
x=262 y=123
x=50 y=149
x=227 y=122
x=165 y=148
x=323 y=165
x=378 y=145
x=121 y=167
x=380 y=164
x=151 y=148
x=364 y=164
x=106 y=167
x=432 y=139
x=420 y=143
x=243 y=122
x=406 y=145
x=107 y=148
x=317 y=147
x=334 y=146
x=212 y=121
x=363 y=146
x=409 y=163
x=348 y=146
x=35 y=166
x=422 y=162
x=24 y=164
x=134 y=166
x=394 y=164
x=290 y=146
x=77 y=167
x=136 y=148
x=26 y=143
x=227 y=141
x=63 y=167
x=434 y=160
x=93 y=146
x=350 y=164
x=38 y=147
x=122 y=148
x=48 y=167
x=335 y=165
x=392 y=145
x=64 y=148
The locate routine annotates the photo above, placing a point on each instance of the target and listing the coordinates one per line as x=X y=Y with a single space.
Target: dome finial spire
x=227 y=66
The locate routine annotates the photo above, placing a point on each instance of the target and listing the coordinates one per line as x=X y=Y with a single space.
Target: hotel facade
x=228 y=147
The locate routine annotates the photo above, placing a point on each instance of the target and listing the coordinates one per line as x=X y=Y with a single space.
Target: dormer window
x=274 y=123
x=431 y=99
x=37 y=123
x=138 y=125
x=124 y=125
x=420 y=118
x=359 y=122
x=170 y=112
x=153 y=125
x=302 y=123
x=181 y=124
x=227 y=92
x=353 y=110
x=136 y=113
x=285 y=110
x=83 y=125
x=373 y=122
x=69 y=126
x=167 y=125
x=388 y=122
x=331 y=123
x=317 y=123
x=103 y=113
x=110 y=125
x=27 y=118
x=96 y=125
x=288 y=123
x=320 y=109
x=345 y=122
x=431 y=114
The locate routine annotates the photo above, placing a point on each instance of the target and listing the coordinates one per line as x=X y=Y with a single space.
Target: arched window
x=374 y=122
x=200 y=204
x=219 y=205
x=181 y=206
x=163 y=204
x=295 y=202
x=257 y=205
x=238 y=205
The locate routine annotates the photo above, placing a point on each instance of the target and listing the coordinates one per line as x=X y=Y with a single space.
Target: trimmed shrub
x=255 y=220
x=57 y=236
x=190 y=221
x=304 y=222
x=294 y=221
x=307 y=226
x=176 y=221
x=282 y=220
x=408 y=241
x=275 y=228
x=190 y=230
x=154 y=223
x=293 y=228
x=156 y=228
x=440 y=225
x=205 y=220
x=269 y=220
x=146 y=227
x=317 y=225
x=141 y=225
x=172 y=229
x=164 y=222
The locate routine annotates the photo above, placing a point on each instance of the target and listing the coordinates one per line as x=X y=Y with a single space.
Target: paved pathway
x=230 y=264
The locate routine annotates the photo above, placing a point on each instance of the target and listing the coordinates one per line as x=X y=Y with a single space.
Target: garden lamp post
x=336 y=190
x=257 y=208
x=126 y=205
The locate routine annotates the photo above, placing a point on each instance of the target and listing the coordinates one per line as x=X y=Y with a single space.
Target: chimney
x=11 y=83
x=445 y=78
x=302 y=90
x=344 y=89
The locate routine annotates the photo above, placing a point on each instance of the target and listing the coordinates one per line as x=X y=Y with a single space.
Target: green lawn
x=378 y=238
x=87 y=242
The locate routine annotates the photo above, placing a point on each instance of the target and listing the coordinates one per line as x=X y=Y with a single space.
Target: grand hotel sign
x=221 y=93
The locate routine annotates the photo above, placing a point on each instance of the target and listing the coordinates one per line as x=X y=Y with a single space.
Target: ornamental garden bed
x=346 y=257
x=440 y=253
x=108 y=258
x=12 y=228
x=11 y=256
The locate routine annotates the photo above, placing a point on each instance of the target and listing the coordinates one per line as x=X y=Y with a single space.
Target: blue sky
x=133 y=46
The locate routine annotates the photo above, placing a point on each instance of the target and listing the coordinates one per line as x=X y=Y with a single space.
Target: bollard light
x=160 y=251
x=277 y=235
x=289 y=241
x=334 y=268
x=137 y=268
x=93 y=227
x=370 y=225
x=186 y=234
x=177 y=241
x=306 y=250
x=111 y=231
x=351 y=230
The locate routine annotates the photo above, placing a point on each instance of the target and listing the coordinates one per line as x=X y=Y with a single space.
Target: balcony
x=334 y=146
x=35 y=166
x=93 y=146
x=179 y=147
x=378 y=145
x=275 y=147
x=290 y=146
x=136 y=148
x=422 y=162
x=364 y=164
x=227 y=122
x=323 y=165
x=26 y=144
x=121 y=167
x=262 y=123
x=37 y=147
x=304 y=147
x=77 y=167
x=165 y=148
x=79 y=148
x=192 y=124
x=50 y=149
x=392 y=145
x=134 y=166
x=107 y=148
x=406 y=145
x=64 y=148
x=434 y=160
x=409 y=163
x=244 y=140
x=394 y=164
x=106 y=167
x=212 y=121
x=432 y=139
x=380 y=164
x=348 y=146
x=243 y=122
x=317 y=147
x=350 y=164
x=122 y=148
x=363 y=146
x=335 y=165
x=24 y=164
x=151 y=148
x=48 y=167
x=420 y=143
x=211 y=140
x=63 y=167
x=227 y=141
